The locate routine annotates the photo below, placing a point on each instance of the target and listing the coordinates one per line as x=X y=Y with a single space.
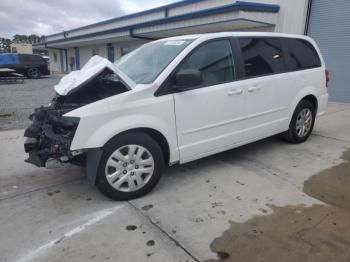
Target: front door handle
x=253 y=89
x=235 y=92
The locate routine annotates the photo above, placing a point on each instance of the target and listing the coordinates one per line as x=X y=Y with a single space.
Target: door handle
x=253 y=89
x=235 y=92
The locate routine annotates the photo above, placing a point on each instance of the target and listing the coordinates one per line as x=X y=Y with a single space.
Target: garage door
x=329 y=25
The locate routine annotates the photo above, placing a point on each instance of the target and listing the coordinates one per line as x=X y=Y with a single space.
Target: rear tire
x=131 y=166
x=302 y=123
x=33 y=73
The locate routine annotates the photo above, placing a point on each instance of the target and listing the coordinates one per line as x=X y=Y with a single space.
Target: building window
x=55 y=57
x=95 y=51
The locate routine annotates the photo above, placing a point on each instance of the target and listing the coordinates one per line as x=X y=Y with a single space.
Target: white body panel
x=207 y=120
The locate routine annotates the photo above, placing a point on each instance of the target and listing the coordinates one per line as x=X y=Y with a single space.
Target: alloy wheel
x=304 y=122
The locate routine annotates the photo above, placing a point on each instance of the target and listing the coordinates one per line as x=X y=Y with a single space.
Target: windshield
x=144 y=64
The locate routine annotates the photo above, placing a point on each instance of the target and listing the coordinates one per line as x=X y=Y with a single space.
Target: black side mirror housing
x=187 y=79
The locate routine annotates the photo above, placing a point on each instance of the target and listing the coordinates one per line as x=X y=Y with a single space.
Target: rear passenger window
x=302 y=55
x=215 y=62
x=31 y=59
x=262 y=56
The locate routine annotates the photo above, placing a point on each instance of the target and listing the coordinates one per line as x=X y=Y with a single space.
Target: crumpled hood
x=74 y=80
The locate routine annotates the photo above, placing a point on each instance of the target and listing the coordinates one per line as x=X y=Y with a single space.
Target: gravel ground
x=17 y=101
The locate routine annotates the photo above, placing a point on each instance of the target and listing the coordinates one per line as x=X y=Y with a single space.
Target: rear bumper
x=322 y=104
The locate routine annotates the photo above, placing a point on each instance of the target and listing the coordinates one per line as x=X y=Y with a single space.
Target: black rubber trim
x=93 y=157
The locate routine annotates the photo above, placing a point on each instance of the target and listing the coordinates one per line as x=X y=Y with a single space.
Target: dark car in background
x=32 y=66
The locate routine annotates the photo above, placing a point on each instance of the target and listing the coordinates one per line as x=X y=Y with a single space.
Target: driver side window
x=214 y=60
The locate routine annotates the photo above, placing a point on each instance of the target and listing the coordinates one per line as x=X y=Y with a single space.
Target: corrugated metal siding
x=329 y=25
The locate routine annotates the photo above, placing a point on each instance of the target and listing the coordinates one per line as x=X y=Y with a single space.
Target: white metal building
x=112 y=38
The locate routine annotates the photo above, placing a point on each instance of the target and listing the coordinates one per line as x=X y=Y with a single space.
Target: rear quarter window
x=302 y=55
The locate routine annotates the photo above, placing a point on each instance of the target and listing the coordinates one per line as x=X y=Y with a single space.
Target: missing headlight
x=50 y=136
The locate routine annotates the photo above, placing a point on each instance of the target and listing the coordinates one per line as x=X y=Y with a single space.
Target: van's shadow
x=231 y=156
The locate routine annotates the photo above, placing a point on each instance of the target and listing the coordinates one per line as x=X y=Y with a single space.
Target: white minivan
x=176 y=100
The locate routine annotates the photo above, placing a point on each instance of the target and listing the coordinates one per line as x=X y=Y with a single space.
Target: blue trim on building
x=258 y=7
x=61 y=60
x=211 y=11
x=66 y=56
x=146 y=12
x=238 y=6
x=77 y=58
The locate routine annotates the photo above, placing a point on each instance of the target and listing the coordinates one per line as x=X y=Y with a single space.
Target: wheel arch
x=312 y=99
x=93 y=156
x=155 y=134
x=309 y=94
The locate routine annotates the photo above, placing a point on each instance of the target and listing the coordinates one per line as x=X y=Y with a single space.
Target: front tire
x=302 y=123
x=130 y=167
x=33 y=73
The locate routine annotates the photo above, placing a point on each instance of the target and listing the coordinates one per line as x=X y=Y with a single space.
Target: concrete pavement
x=267 y=201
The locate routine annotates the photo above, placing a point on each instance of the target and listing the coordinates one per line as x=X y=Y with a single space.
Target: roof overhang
x=232 y=17
x=236 y=21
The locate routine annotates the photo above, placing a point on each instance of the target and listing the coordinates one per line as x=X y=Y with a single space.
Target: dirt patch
x=131 y=227
x=332 y=185
x=51 y=193
x=147 y=207
x=150 y=243
x=293 y=233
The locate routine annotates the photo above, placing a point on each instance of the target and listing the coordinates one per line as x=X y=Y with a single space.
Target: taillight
x=328 y=78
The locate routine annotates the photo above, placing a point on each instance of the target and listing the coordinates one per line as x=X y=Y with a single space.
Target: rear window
x=262 y=56
x=302 y=55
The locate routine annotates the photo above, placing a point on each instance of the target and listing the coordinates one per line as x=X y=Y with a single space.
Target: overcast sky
x=44 y=17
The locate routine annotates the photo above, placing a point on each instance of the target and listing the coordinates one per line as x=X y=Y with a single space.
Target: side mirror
x=187 y=79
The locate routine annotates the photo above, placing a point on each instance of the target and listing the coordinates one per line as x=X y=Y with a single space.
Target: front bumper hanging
x=49 y=137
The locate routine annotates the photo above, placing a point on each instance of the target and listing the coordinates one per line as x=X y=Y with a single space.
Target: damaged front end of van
x=48 y=139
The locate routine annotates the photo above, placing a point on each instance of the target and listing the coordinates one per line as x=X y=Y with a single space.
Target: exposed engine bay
x=49 y=137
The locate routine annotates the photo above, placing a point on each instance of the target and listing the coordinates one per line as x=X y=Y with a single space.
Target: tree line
x=5 y=43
